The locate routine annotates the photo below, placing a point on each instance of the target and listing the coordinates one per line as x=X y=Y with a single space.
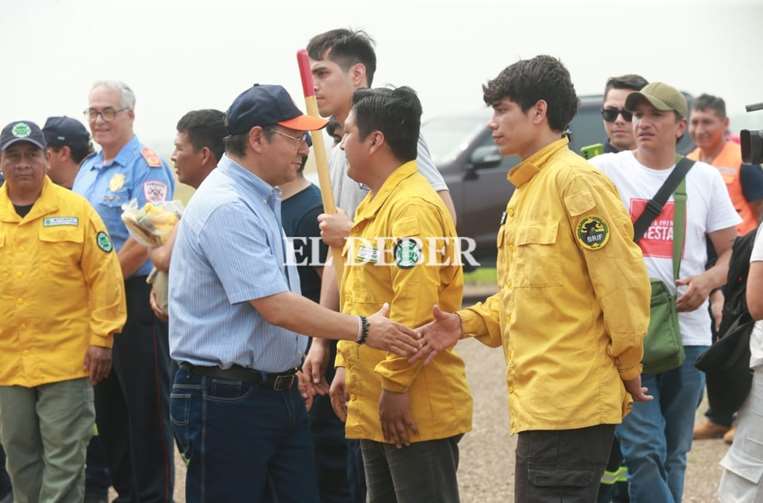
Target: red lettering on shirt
x=658 y=238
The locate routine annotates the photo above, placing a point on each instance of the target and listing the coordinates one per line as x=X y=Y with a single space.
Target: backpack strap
x=679 y=226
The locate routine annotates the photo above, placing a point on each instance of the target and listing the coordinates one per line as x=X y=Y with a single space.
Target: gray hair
x=127 y=97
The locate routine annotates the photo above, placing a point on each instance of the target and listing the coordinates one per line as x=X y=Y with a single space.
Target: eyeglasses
x=296 y=140
x=107 y=114
x=610 y=114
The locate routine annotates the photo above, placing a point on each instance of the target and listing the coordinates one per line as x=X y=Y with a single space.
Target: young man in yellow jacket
x=401 y=251
x=573 y=305
x=61 y=303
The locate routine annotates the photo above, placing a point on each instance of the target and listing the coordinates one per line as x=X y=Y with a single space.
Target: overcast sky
x=184 y=55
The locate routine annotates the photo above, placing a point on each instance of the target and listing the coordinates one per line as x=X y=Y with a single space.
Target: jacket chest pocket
x=61 y=248
x=536 y=261
x=362 y=292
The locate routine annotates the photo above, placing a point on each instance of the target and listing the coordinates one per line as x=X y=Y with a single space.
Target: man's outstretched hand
x=440 y=334
x=389 y=335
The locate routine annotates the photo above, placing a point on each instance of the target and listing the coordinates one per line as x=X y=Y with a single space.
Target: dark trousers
x=724 y=418
x=97 y=476
x=717 y=415
x=239 y=437
x=562 y=466
x=5 y=480
x=330 y=446
x=131 y=405
x=423 y=471
x=356 y=474
x=614 y=492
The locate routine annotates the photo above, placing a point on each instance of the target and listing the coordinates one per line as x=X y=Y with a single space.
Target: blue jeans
x=656 y=436
x=237 y=435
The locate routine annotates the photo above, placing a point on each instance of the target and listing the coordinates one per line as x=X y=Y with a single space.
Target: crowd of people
x=281 y=376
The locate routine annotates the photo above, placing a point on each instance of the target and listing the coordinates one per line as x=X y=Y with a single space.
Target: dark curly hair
x=529 y=80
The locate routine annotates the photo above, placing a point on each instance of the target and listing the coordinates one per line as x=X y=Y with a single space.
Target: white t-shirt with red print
x=708 y=209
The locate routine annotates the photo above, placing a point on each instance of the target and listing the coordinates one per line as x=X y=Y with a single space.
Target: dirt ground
x=486 y=472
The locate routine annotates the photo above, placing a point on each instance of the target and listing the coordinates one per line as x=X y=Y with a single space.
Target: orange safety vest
x=729 y=163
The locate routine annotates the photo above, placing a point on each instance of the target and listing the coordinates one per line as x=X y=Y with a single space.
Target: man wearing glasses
x=131 y=404
x=617 y=120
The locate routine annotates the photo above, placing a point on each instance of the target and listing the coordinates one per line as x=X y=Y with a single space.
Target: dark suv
x=475 y=171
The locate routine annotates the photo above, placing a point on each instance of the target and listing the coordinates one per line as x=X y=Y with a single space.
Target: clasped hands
x=394 y=408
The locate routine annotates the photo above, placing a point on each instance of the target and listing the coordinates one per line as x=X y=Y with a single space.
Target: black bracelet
x=363 y=330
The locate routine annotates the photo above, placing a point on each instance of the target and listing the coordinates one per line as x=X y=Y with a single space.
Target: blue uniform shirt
x=230 y=248
x=135 y=173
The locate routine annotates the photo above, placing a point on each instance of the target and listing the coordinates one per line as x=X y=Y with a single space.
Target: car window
x=586 y=127
x=446 y=137
x=486 y=140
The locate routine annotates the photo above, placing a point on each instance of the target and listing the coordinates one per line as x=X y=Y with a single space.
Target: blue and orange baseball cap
x=268 y=105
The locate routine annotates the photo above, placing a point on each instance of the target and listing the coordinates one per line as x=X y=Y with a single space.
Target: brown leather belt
x=283 y=381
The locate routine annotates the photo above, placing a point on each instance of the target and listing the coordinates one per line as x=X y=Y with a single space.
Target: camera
x=752 y=140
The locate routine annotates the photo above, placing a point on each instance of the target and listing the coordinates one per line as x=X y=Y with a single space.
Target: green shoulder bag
x=663 y=346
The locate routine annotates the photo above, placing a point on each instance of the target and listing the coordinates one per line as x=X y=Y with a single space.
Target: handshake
x=422 y=343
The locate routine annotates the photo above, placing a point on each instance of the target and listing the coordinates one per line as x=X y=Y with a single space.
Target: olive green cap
x=661 y=96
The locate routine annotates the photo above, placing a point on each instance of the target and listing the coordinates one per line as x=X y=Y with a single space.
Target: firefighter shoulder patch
x=592 y=233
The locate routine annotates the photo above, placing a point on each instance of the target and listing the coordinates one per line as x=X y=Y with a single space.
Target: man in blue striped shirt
x=236 y=315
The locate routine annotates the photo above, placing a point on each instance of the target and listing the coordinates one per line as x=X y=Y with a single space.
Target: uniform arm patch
x=155 y=191
x=104 y=242
x=592 y=233
x=407 y=253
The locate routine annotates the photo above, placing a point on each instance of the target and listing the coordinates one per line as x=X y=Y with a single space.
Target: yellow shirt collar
x=370 y=205
x=46 y=203
x=527 y=169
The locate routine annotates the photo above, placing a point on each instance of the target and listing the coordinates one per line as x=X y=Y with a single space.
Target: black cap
x=267 y=105
x=18 y=131
x=65 y=131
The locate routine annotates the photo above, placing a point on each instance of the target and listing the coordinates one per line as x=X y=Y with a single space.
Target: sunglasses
x=610 y=114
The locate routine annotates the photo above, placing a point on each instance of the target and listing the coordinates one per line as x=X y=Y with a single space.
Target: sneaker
x=728 y=437
x=708 y=429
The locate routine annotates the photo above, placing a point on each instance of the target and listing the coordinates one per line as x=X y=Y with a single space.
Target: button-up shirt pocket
x=535 y=262
x=115 y=199
x=60 y=250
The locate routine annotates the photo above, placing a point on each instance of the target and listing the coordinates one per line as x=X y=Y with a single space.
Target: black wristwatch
x=363 y=335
